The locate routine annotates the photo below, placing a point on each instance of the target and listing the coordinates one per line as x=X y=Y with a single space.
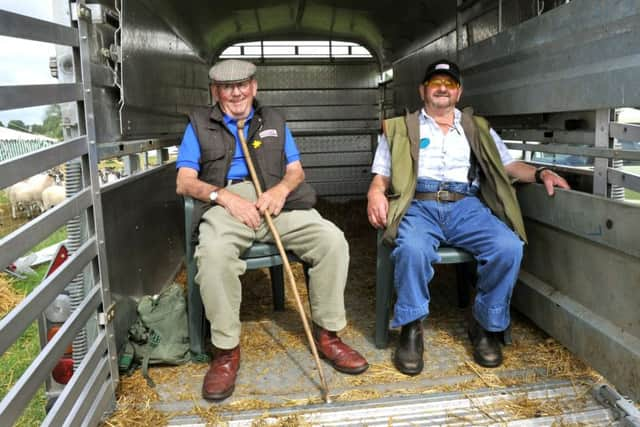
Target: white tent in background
x=14 y=143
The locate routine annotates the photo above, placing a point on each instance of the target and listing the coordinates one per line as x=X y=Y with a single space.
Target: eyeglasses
x=229 y=88
x=449 y=84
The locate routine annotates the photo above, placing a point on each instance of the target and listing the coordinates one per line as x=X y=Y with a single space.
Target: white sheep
x=25 y=195
x=53 y=195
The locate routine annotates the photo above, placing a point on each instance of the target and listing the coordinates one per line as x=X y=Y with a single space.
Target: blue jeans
x=467 y=224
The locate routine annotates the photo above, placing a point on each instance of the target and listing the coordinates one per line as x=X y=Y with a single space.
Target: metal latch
x=107 y=316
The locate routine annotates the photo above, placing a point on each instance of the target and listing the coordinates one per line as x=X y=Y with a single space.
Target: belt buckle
x=440 y=194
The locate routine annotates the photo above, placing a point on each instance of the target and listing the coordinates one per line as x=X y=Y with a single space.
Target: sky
x=24 y=62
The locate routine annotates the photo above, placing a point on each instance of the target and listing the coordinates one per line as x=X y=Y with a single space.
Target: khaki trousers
x=312 y=238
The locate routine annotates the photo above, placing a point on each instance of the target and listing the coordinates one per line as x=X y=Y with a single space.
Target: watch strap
x=538 y=173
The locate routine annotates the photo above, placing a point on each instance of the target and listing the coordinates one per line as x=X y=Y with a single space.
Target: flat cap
x=232 y=71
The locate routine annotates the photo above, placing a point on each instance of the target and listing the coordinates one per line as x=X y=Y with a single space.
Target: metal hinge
x=80 y=11
x=625 y=410
x=107 y=316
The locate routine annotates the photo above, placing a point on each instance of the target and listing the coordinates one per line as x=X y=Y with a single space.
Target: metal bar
x=12 y=97
x=103 y=403
x=549 y=135
x=97 y=389
x=21 y=393
x=99 y=269
x=600 y=165
x=71 y=392
x=25 y=27
x=596 y=219
x=569 y=322
x=19 y=319
x=624 y=131
x=362 y=158
x=30 y=234
x=605 y=153
x=334 y=132
x=107 y=150
x=14 y=170
x=624 y=179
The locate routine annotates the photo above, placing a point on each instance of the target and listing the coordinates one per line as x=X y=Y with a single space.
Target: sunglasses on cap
x=449 y=84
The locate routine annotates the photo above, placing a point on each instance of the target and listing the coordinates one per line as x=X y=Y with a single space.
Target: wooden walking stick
x=285 y=261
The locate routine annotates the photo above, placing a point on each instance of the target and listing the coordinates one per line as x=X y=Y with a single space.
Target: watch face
x=213 y=196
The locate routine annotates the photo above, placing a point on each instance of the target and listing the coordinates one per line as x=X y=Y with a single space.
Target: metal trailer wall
x=332 y=109
x=565 y=68
x=161 y=76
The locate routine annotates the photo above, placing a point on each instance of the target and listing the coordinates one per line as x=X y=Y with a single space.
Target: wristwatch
x=538 y=173
x=213 y=196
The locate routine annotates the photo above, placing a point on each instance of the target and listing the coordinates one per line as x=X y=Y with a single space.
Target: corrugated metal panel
x=581 y=56
x=333 y=111
x=16 y=148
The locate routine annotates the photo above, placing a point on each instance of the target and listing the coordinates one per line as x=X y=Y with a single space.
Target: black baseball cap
x=443 y=66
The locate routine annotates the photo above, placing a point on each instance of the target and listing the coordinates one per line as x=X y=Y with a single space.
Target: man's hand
x=377 y=209
x=241 y=209
x=527 y=173
x=378 y=205
x=551 y=179
x=273 y=199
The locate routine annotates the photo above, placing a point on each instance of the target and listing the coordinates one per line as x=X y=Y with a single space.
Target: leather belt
x=236 y=181
x=441 y=196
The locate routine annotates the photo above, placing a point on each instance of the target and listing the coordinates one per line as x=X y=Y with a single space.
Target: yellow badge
x=256 y=144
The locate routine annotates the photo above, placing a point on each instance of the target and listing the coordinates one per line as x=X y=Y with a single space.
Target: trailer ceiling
x=386 y=27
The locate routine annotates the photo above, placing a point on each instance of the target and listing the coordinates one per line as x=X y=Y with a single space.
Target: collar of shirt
x=230 y=121
x=427 y=119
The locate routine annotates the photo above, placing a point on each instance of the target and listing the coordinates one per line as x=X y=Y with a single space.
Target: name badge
x=269 y=132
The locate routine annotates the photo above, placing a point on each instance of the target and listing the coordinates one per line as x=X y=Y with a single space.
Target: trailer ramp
x=514 y=406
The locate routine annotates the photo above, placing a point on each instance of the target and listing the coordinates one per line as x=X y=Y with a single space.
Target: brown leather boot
x=342 y=357
x=220 y=380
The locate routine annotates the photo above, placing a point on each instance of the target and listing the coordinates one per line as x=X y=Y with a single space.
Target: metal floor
x=540 y=383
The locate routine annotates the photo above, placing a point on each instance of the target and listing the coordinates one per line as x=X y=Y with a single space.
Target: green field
x=20 y=355
x=629 y=194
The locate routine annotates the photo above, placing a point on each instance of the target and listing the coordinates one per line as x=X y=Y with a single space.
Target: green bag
x=160 y=334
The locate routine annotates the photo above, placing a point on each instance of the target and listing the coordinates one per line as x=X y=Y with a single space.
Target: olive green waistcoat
x=496 y=191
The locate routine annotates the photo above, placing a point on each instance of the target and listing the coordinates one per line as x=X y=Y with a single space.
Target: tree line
x=51 y=125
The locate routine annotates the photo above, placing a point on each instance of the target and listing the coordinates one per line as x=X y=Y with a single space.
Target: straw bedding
x=531 y=357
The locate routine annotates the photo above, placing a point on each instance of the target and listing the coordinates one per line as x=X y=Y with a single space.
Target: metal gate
x=91 y=390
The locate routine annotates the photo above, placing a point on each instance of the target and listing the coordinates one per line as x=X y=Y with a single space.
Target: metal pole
x=285 y=262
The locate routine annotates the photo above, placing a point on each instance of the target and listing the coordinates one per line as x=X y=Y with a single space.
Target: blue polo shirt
x=189 y=152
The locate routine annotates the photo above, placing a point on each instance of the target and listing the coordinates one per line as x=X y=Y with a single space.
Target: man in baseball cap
x=443 y=67
x=443 y=160
x=228 y=220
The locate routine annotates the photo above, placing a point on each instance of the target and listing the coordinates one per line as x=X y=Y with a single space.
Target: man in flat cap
x=450 y=175
x=212 y=170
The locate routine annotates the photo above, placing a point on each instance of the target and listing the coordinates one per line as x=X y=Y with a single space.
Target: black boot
x=486 y=346
x=408 y=357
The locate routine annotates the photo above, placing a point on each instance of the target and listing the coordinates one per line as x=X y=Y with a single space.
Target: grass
x=19 y=356
x=630 y=194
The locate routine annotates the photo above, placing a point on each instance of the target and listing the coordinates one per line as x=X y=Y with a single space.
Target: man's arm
x=273 y=199
x=378 y=205
x=188 y=184
x=526 y=173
